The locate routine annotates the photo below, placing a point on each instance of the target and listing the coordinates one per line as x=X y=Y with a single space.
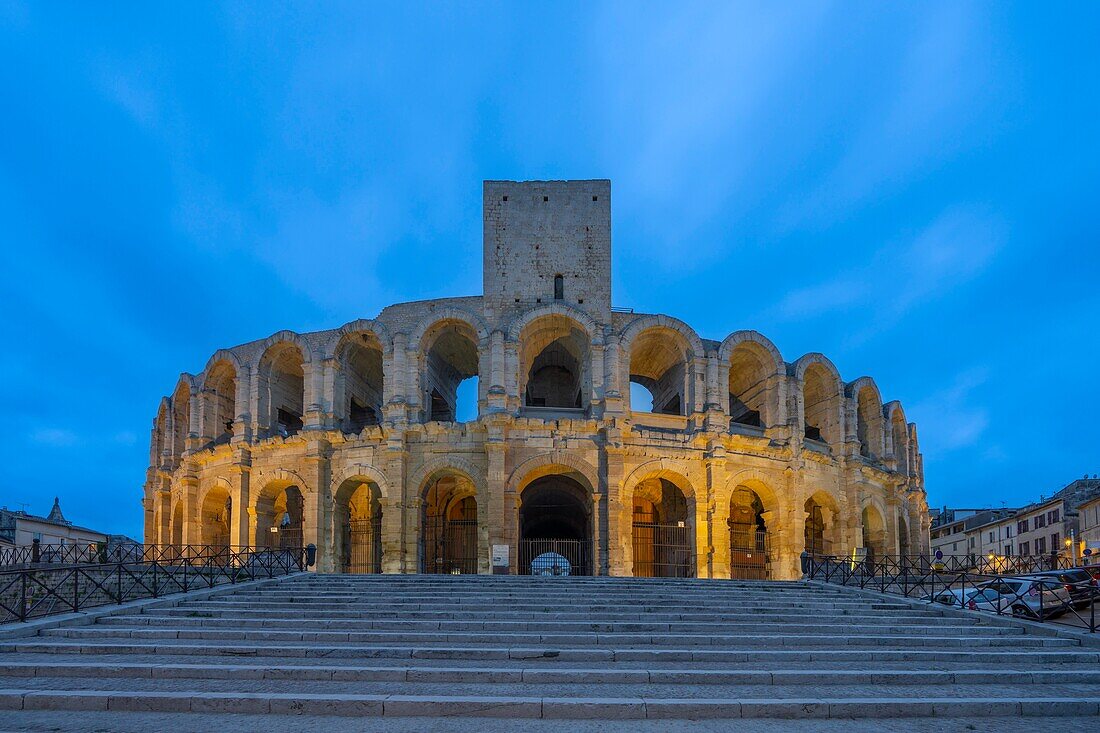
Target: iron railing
x=449 y=546
x=662 y=551
x=1065 y=596
x=43 y=589
x=549 y=556
x=749 y=558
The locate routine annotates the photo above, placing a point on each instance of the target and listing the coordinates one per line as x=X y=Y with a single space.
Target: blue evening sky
x=912 y=189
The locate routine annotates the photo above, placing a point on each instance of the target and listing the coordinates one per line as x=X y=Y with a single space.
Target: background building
x=351 y=439
x=20 y=529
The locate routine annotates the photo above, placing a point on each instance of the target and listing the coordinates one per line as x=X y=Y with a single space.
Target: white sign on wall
x=500 y=556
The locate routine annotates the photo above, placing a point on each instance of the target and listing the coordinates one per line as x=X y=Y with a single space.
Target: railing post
x=154 y=578
x=36 y=551
x=76 y=589
x=23 y=598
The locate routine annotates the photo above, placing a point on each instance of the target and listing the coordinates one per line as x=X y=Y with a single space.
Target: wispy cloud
x=56 y=437
x=952 y=418
x=956 y=247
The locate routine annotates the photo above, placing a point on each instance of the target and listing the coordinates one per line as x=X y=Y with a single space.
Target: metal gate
x=363 y=546
x=749 y=554
x=662 y=551
x=549 y=556
x=448 y=547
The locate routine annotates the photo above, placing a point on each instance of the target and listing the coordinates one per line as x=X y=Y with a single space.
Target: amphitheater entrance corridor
x=448 y=538
x=554 y=528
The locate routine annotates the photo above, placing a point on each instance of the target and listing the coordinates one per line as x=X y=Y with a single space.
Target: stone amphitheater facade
x=350 y=439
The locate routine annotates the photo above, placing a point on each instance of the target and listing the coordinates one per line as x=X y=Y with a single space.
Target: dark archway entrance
x=555 y=527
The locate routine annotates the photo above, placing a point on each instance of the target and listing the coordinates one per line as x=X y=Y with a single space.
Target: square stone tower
x=546 y=242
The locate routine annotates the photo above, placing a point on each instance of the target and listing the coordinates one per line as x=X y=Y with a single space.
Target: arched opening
x=750 y=368
x=221 y=396
x=448 y=540
x=554 y=358
x=555 y=527
x=662 y=531
x=359 y=386
x=874 y=533
x=161 y=435
x=177 y=525
x=819 y=526
x=216 y=516
x=821 y=405
x=451 y=360
x=750 y=554
x=903 y=537
x=181 y=421
x=358 y=535
x=659 y=362
x=869 y=423
x=282 y=389
x=280 y=517
x=900 y=438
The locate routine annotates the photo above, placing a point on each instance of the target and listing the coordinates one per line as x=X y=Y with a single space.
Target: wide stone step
x=741 y=627
x=580 y=676
x=545 y=605
x=732 y=616
x=1008 y=656
x=512 y=707
x=974 y=637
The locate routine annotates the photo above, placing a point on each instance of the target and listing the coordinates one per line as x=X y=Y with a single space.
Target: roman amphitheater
x=355 y=439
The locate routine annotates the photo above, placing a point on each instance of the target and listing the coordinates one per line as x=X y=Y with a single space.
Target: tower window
x=545 y=198
x=559 y=287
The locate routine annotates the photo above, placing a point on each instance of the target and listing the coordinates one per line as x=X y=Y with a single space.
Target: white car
x=1029 y=597
x=961 y=598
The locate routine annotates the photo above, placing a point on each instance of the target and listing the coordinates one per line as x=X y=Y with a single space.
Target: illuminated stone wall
x=807 y=443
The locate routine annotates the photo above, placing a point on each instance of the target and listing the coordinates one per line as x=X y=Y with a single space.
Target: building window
x=559 y=287
x=1040 y=545
x=1008 y=531
x=1040 y=521
x=954 y=546
x=1025 y=547
x=1008 y=550
x=1054 y=540
x=1021 y=526
x=971 y=543
x=1052 y=516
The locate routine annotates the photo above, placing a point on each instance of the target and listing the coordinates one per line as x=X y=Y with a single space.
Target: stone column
x=599 y=554
x=392 y=520
x=192 y=529
x=314 y=394
x=318 y=502
x=239 y=493
x=491 y=515
x=242 y=420
x=163 y=533
x=613 y=474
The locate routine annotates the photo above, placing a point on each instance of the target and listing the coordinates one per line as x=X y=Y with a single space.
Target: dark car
x=1078 y=581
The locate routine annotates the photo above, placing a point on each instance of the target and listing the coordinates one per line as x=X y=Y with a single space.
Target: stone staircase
x=549 y=648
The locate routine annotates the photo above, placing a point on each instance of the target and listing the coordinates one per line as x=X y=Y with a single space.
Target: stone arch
x=282 y=373
x=820 y=399
x=563 y=310
x=448 y=490
x=554 y=357
x=161 y=433
x=448 y=349
x=455 y=464
x=186 y=386
x=359 y=351
x=357 y=520
x=898 y=431
x=279 y=503
x=823 y=512
x=751 y=361
x=367 y=473
x=444 y=315
x=219 y=393
x=376 y=329
x=556 y=518
x=552 y=462
x=661 y=502
x=868 y=414
x=873 y=519
x=661 y=354
x=216 y=513
x=176 y=525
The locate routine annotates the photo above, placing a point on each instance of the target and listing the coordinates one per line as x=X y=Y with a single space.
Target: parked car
x=1079 y=582
x=1030 y=597
x=957 y=597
